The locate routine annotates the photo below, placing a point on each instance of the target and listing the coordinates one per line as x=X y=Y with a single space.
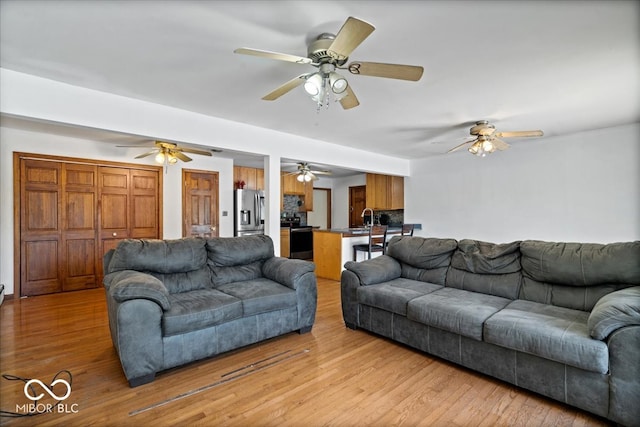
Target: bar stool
x=377 y=242
x=407 y=229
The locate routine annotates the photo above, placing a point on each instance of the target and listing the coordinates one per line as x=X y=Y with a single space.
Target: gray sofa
x=171 y=302
x=559 y=319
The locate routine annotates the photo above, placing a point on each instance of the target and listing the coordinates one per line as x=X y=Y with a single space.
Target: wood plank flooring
x=332 y=376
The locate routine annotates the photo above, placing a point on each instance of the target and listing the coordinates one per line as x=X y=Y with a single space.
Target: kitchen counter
x=332 y=248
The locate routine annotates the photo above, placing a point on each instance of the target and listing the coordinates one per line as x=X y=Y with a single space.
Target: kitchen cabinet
x=285 y=242
x=385 y=191
x=253 y=178
x=291 y=186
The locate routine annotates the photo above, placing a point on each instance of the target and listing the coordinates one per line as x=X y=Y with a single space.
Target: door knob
x=114 y=234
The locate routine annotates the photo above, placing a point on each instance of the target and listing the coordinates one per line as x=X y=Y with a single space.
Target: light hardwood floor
x=331 y=376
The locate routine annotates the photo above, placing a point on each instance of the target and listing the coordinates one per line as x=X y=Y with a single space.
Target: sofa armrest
x=376 y=270
x=614 y=311
x=287 y=271
x=128 y=285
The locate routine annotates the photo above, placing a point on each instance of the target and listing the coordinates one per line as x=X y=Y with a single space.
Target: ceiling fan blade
x=146 y=154
x=519 y=134
x=390 y=71
x=291 y=84
x=194 y=151
x=499 y=144
x=352 y=33
x=456 y=148
x=313 y=177
x=322 y=172
x=180 y=155
x=350 y=100
x=273 y=55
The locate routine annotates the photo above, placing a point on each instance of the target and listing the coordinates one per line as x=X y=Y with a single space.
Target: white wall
x=340 y=202
x=584 y=188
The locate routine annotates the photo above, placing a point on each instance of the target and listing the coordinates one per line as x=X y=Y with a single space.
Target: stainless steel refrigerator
x=248 y=212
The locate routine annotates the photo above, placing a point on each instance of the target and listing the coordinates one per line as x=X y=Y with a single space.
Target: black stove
x=301 y=238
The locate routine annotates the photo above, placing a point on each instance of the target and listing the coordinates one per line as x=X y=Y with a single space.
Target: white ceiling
x=559 y=66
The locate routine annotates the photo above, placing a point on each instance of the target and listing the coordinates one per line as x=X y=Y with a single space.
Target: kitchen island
x=332 y=248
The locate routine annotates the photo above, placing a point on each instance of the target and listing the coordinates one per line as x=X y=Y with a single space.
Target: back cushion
x=424 y=259
x=577 y=275
x=489 y=268
x=236 y=259
x=180 y=264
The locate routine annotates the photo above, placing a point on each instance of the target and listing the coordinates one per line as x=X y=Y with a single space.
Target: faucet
x=362 y=215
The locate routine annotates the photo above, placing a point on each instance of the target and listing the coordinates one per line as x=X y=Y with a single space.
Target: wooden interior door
x=199 y=203
x=357 y=203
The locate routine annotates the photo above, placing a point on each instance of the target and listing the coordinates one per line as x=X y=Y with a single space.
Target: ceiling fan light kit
x=327 y=53
x=487 y=140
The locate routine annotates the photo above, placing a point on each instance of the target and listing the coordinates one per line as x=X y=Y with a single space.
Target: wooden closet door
x=40 y=227
x=58 y=227
x=129 y=206
x=79 y=226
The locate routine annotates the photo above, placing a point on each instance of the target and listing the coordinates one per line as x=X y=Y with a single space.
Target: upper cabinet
x=385 y=192
x=291 y=186
x=253 y=178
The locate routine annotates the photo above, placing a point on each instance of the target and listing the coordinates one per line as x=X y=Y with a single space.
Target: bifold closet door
x=57 y=226
x=71 y=212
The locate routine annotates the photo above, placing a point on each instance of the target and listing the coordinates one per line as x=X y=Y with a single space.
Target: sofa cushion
x=614 y=311
x=454 y=310
x=479 y=257
x=159 y=256
x=422 y=253
x=581 y=264
x=550 y=332
x=395 y=294
x=490 y=268
x=236 y=273
x=230 y=251
x=261 y=295
x=199 y=309
x=577 y=275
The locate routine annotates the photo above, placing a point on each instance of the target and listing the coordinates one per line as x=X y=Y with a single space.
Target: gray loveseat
x=560 y=319
x=171 y=302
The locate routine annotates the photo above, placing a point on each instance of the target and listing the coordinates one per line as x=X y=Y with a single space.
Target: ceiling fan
x=328 y=53
x=305 y=174
x=487 y=140
x=168 y=153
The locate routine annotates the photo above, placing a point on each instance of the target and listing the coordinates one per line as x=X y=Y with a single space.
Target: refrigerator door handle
x=257 y=210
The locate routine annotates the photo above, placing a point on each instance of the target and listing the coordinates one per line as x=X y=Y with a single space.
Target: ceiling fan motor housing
x=318 y=52
x=482 y=127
